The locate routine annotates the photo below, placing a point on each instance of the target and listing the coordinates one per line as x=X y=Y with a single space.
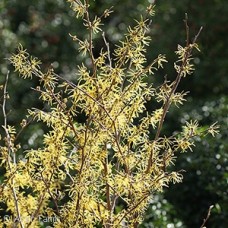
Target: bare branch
x=10 y=151
x=208 y=215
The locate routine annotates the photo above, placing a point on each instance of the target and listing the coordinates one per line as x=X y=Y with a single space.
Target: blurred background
x=42 y=27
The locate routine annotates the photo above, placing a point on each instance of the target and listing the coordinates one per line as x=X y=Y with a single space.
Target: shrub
x=103 y=172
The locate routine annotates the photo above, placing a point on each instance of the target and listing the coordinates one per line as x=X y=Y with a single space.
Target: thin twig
x=208 y=215
x=22 y=128
x=108 y=197
x=128 y=211
x=167 y=104
x=87 y=18
x=187 y=29
x=108 y=50
x=9 y=145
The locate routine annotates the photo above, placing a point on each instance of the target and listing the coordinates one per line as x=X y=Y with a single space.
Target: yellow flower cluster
x=102 y=172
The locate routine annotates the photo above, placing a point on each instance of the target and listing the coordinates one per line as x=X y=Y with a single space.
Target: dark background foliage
x=43 y=26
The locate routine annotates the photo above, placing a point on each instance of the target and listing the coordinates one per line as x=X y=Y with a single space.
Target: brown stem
x=175 y=85
x=208 y=215
x=108 y=198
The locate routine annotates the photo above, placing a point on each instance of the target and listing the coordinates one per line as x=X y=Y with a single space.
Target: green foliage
x=206 y=168
x=160 y=214
x=207 y=84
